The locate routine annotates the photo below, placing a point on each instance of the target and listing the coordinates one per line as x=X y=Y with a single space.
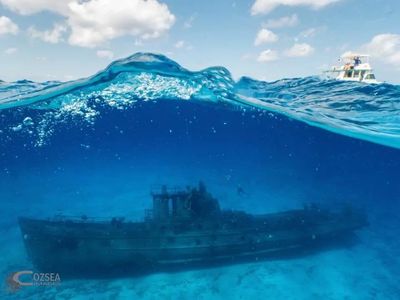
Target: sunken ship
x=183 y=227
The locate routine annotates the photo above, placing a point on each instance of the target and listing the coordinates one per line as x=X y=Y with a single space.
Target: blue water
x=95 y=146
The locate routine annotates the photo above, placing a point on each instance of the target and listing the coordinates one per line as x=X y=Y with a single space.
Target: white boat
x=356 y=67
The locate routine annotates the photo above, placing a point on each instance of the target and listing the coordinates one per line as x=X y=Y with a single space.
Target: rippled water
x=359 y=110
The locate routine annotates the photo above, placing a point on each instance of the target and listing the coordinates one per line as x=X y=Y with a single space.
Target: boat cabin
x=182 y=204
x=356 y=67
x=358 y=74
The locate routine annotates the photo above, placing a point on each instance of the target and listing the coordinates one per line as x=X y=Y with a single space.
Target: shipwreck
x=184 y=226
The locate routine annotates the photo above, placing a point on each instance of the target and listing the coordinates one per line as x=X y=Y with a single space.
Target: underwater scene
x=92 y=151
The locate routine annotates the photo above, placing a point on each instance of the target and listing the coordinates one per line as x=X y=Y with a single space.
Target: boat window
x=370 y=76
x=362 y=74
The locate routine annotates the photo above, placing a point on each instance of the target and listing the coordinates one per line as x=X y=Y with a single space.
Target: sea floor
x=367 y=269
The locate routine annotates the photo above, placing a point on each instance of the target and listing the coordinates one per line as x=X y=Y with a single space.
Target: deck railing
x=163 y=189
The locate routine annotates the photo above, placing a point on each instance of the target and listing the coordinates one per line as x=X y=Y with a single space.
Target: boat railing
x=163 y=189
x=86 y=219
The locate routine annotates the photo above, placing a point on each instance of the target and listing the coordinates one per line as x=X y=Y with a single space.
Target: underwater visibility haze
x=96 y=146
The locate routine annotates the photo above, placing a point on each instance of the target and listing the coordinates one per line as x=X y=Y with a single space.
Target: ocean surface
x=95 y=146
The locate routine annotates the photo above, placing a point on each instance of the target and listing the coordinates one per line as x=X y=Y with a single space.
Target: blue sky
x=265 y=39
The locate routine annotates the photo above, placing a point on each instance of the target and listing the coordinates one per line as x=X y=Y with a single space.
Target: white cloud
x=308 y=33
x=7 y=26
x=28 y=7
x=96 y=21
x=300 y=50
x=265 y=36
x=93 y=22
x=288 y=21
x=385 y=47
x=183 y=45
x=189 y=22
x=268 y=56
x=10 y=51
x=395 y=59
x=348 y=54
x=266 y=6
x=105 y=54
x=179 y=44
x=52 y=36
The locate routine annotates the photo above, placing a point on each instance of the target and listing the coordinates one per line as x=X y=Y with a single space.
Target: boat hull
x=79 y=247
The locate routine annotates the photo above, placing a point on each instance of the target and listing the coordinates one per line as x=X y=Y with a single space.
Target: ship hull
x=79 y=247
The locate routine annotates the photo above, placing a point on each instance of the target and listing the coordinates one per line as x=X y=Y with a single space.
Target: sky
x=63 y=40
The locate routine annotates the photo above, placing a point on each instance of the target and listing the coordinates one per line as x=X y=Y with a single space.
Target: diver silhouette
x=241 y=192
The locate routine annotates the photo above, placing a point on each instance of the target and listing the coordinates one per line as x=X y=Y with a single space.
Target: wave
x=368 y=112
